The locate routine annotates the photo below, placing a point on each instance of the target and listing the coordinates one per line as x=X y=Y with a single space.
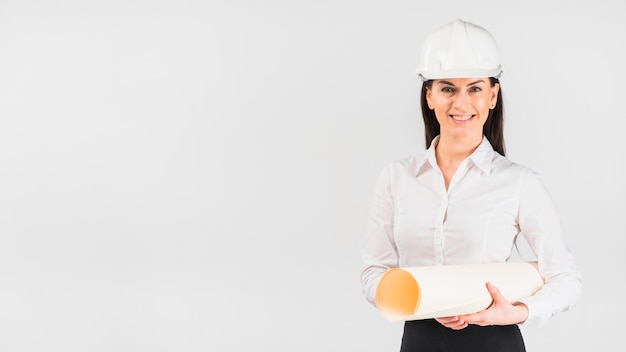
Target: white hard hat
x=459 y=49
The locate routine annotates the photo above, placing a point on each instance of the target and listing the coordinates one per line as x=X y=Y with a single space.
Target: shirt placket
x=438 y=237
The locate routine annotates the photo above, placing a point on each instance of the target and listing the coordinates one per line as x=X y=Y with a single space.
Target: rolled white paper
x=425 y=292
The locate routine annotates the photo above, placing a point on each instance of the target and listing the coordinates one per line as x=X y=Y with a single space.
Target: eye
x=475 y=89
x=447 y=89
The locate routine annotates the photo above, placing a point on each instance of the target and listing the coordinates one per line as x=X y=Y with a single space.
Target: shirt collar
x=482 y=157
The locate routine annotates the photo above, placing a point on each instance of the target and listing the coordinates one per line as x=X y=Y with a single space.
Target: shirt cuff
x=539 y=310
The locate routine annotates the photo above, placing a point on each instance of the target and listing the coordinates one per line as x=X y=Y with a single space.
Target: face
x=462 y=105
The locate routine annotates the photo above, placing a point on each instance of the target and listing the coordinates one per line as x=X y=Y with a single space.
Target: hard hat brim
x=427 y=76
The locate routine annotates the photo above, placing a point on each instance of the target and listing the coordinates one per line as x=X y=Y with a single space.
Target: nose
x=461 y=99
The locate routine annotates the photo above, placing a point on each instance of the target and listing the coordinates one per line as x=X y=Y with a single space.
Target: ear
x=493 y=99
x=429 y=98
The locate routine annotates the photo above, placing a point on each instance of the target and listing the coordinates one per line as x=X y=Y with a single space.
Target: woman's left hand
x=500 y=312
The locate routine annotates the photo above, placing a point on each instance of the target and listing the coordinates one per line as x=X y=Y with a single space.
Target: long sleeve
x=540 y=225
x=379 y=251
x=415 y=221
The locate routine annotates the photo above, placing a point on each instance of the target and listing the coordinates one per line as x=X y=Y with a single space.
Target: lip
x=462 y=118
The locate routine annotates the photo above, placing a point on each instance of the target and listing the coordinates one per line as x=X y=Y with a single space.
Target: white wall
x=195 y=175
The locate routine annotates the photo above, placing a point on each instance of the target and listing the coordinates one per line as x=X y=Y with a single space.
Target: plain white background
x=195 y=175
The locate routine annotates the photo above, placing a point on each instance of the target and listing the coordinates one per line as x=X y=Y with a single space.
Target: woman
x=463 y=202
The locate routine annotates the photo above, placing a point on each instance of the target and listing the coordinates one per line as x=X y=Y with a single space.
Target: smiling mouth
x=461 y=117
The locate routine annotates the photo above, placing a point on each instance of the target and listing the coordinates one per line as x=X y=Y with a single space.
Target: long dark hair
x=493 y=128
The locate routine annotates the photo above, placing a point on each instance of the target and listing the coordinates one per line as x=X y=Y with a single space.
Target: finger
x=452 y=322
x=492 y=289
x=447 y=320
x=494 y=292
x=458 y=325
x=475 y=318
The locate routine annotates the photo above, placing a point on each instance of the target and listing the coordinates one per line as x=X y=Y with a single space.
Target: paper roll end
x=397 y=295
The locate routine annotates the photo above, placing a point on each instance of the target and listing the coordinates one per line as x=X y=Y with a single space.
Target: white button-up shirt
x=415 y=221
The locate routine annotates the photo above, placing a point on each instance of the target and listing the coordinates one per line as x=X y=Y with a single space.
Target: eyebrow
x=469 y=84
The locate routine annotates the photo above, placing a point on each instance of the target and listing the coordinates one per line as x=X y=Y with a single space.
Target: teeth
x=461 y=117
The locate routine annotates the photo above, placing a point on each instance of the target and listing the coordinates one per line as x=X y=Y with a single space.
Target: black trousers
x=430 y=336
